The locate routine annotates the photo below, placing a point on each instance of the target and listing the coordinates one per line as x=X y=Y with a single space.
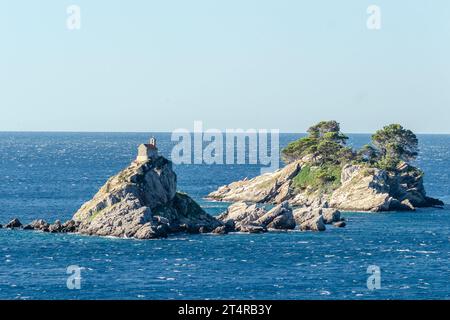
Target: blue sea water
x=49 y=175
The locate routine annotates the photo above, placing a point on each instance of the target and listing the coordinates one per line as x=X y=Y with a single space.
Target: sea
x=395 y=255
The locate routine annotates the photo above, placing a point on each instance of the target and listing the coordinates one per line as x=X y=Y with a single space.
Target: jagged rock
x=142 y=202
x=309 y=219
x=269 y=187
x=253 y=229
x=37 y=225
x=304 y=213
x=150 y=231
x=230 y=226
x=241 y=214
x=362 y=189
x=13 y=224
x=70 y=226
x=314 y=224
x=407 y=204
x=280 y=217
x=313 y=218
x=370 y=189
x=330 y=215
x=220 y=230
x=339 y=224
x=56 y=227
x=309 y=198
x=407 y=186
x=251 y=218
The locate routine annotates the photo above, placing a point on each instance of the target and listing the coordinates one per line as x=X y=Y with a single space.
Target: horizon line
x=159 y=131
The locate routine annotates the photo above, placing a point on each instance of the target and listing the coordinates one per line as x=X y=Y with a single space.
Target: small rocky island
x=323 y=173
x=139 y=202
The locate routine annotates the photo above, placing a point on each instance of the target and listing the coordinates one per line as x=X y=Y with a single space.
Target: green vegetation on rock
x=323 y=170
x=324 y=153
x=325 y=144
x=325 y=178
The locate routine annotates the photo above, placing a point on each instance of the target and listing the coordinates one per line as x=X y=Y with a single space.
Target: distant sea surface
x=50 y=175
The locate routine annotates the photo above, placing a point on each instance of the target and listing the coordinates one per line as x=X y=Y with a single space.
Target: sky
x=146 y=65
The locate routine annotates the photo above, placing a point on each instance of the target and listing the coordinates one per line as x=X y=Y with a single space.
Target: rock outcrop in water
x=139 y=202
x=13 y=224
x=252 y=218
x=315 y=219
x=142 y=202
x=362 y=188
x=372 y=189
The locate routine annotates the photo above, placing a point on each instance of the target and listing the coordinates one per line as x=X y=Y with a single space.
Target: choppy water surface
x=49 y=175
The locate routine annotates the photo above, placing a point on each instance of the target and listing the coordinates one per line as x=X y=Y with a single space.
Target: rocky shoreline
x=239 y=217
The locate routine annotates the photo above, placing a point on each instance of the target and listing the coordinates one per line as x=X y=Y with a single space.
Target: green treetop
x=324 y=142
x=394 y=144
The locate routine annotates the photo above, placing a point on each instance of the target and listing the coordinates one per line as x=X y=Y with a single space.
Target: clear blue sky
x=159 y=65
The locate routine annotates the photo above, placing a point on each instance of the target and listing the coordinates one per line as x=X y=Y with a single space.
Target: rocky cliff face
x=362 y=189
x=267 y=188
x=371 y=189
x=142 y=202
